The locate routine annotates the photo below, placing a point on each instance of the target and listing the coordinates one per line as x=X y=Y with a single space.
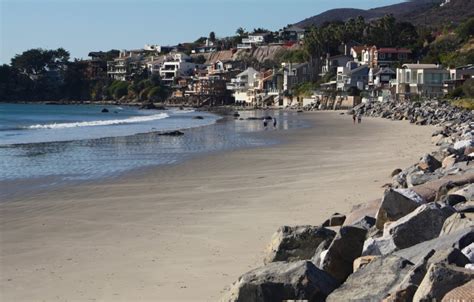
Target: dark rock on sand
x=423 y=224
x=296 y=243
x=344 y=249
x=172 y=133
x=374 y=281
x=281 y=281
x=105 y=110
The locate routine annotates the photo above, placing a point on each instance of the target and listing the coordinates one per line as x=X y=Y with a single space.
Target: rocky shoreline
x=415 y=243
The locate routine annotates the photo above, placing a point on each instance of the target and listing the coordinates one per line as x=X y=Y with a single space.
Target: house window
x=408 y=77
x=381 y=56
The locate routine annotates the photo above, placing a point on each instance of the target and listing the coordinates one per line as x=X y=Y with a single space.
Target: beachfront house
x=457 y=77
x=425 y=80
x=352 y=75
x=242 y=86
x=331 y=63
x=375 y=57
x=126 y=65
x=176 y=65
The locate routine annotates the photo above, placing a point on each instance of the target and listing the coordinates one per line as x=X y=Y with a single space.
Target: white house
x=424 y=80
x=178 y=64
x=253 y=40
x=243 y=85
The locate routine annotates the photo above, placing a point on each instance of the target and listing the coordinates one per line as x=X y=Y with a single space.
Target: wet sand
x=185 y=232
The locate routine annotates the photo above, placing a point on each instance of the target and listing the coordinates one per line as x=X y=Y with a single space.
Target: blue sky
x=81 y=26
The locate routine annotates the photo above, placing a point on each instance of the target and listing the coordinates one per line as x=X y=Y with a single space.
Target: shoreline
x=155 y=235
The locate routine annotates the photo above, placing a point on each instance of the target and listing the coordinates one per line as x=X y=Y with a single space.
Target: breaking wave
x=131 y=120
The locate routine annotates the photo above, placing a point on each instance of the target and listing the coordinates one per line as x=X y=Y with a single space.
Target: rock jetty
x=415 y=243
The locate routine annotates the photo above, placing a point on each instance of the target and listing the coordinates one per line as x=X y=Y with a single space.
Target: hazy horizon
x=83 y=26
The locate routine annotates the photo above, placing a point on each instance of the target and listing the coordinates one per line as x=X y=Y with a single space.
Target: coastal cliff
x=415 y=243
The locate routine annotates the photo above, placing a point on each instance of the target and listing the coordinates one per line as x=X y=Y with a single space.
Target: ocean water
x=49 y=145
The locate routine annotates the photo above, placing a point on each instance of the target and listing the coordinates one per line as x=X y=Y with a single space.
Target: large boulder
x=281 y=281
x=378 y=246
x=439 y=280
x=374 y=281
x=344 y=249
x=395 y=204
x=468 y=251
x=459 y=239
x=429 y=163
x=296 y=243
x=457 y=222
x=358 y=212
x=424 y=223
x=461 y=293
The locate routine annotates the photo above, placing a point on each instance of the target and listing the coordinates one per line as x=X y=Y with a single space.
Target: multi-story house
x=425 y=80
x=126 y=65
x=383 y=57
x=243 y=85
x=176 y=65
x=254 y=40
x=294 y=74
x=352 y=75
x=292 y=33
x=333 y=62
x=457 y=77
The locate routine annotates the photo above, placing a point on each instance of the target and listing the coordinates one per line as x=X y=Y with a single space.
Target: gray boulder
x=419 y=177
x=365 y=222
x=457 y=222
x=280 y=281
x=439 y=280
x=449 y=256
x=344 y=249
x=429 y=163
x=296 y=243
x=358 y=212
x=459 y=239
x=395 y=204
x=373 y=281
x=423 y=224
x=378 y=246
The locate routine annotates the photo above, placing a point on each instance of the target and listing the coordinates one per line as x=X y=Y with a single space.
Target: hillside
x=418 y=12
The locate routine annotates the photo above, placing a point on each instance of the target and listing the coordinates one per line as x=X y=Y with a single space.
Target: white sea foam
x=131 y=120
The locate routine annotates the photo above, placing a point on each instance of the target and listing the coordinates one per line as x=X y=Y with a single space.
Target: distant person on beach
x=274 y=122
x=265 y=123
x=354 y=118
x=359 y=118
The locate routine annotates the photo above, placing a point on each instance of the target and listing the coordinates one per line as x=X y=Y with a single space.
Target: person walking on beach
x=274 y=122
x=354 y=118
x=359 y=118
x=265 y=123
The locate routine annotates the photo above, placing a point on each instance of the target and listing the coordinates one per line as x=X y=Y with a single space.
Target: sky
x=81 y=26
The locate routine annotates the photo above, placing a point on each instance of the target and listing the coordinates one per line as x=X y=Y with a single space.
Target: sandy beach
x=185 y=232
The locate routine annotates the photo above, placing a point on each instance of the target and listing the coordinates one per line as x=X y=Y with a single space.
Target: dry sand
x=184 y=233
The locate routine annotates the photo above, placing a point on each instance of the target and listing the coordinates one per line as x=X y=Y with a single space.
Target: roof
x=394 y=50
x=340 y=56
x=360 y=68
x=421 y=66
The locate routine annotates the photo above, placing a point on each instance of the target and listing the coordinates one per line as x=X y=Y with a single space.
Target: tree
x=240 y=31
x=212 y=37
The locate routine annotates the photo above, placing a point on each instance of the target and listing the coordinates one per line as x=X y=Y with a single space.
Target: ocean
x=50 y=145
